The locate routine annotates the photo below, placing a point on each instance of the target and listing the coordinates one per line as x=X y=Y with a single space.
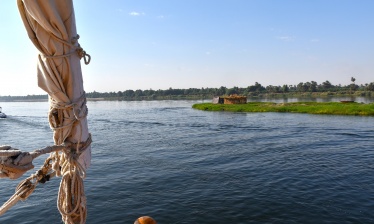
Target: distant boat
x=2 y=115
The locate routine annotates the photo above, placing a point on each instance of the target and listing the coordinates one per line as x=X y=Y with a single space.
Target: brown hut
x=232 y=99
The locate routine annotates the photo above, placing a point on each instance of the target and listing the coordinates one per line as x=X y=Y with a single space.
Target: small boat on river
x=2 y=115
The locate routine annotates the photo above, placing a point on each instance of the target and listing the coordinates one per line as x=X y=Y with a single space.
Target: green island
x=332 y=108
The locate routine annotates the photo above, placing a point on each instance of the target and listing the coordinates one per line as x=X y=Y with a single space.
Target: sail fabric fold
x=51 y=27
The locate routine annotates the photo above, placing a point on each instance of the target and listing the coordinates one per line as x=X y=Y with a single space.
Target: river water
x=179 y=165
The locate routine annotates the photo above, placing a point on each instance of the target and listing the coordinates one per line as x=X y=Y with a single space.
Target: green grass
x=335 y=108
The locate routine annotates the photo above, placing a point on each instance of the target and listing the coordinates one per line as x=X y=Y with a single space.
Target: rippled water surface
x=180 y=165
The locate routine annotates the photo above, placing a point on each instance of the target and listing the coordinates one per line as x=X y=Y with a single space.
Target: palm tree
x=353 y=85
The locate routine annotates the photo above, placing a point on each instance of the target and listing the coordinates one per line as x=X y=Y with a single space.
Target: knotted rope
x=79 y=109
x=71 y=198
x=77 y=50
x=71 y=201
x=15 y=163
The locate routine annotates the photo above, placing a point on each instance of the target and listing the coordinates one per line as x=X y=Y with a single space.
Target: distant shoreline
x=307 y=89
x=44 y=98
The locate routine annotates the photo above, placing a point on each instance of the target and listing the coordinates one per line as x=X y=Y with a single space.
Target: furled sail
x=50 y=24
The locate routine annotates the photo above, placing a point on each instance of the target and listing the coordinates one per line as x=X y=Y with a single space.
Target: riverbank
x=332 y=108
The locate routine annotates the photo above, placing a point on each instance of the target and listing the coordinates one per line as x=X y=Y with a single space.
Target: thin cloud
x=286 y=38
x=136 y=13
x=314 y=40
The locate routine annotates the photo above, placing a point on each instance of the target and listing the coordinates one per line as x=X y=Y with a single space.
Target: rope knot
x=78 y=148
x=72 y=153
x=43 y=175
x=78 y=111
x=25 y=189
x=13 y=162
x=73 y=44
x=75 y=39
x=83 y=54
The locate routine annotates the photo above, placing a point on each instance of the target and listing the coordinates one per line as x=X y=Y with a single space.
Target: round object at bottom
x=145 y=220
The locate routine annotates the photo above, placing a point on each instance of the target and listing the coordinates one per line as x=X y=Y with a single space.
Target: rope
x=27 y=186
x=60 y=56
x=7 y=151
x=14 y=163
x=20 y=194
x=71 y=201
x=57 y=108
x=78 y=50
x=71 y=198
x=82 y=54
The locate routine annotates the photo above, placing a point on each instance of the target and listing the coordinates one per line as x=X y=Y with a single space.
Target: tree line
x=312 y=87
x=302 y=88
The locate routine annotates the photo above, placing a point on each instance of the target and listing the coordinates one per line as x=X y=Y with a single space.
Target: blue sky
x=149 y=44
